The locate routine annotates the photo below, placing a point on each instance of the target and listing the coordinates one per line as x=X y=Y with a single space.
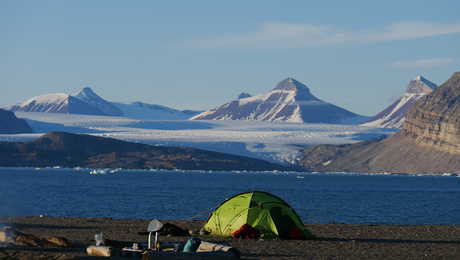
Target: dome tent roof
x=267 y=213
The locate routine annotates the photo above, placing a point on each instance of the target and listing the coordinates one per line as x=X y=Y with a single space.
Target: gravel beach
x=334 y=241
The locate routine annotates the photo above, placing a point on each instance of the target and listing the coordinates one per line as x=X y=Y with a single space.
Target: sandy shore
x=335 y=241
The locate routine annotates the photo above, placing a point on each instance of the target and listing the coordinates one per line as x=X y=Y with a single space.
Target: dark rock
x=244 y=95
x=170 y=229
x=10 y=124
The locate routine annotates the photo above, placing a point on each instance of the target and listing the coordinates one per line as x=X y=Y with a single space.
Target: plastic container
x=192 y=245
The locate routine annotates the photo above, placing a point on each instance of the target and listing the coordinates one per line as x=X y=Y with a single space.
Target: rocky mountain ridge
x=87 y=102
x=394 y=115
x=56 y=103
x=289 y=101
x=429 y=141
x=435 y=120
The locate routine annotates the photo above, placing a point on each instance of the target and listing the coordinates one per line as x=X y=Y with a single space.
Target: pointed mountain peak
x=420 y=85
x=425 y=81
x=244 y=95
x=289 y=101
x=87 y=90
x=86 y=93
x=290 y=84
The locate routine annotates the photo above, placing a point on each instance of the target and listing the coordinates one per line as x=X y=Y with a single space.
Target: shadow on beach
x=396 y=241
x=46 y=226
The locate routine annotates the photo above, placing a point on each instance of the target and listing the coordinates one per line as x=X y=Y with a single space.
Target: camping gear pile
x=155 y=248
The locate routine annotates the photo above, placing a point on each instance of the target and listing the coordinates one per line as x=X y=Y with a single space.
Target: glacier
x=278 y=142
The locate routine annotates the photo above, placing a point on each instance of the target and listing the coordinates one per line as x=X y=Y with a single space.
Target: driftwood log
x=99 y=251
x=5 y=237
x=12 y=236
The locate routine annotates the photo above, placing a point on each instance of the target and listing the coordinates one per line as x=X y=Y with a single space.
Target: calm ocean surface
x=317 y=198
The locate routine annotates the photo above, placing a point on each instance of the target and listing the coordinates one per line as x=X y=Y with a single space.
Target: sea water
x=317 y=198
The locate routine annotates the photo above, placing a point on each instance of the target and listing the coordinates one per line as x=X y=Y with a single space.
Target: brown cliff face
x=434 y=121
x=429 y=141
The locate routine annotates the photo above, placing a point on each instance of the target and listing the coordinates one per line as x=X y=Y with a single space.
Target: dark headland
x=10 y=124
x=72 y=150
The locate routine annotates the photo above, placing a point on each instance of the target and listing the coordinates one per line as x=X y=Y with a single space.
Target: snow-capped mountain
x=56 y=103
x=289 y=101
x=393 y=116
x=87 y=95
x=87 y=102
x=144 y=111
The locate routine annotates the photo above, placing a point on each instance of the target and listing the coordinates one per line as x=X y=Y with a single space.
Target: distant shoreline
x=110 y=171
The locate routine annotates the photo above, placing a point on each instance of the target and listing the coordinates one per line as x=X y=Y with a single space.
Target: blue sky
x=199 y=54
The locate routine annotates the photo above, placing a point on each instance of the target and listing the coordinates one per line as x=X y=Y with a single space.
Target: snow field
x=274 y=141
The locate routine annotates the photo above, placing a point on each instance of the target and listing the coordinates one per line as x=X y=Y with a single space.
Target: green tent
x=268 y=214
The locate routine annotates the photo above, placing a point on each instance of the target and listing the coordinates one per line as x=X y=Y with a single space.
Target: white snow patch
x=47 y=99
x=140 y=110
x=392 y=121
